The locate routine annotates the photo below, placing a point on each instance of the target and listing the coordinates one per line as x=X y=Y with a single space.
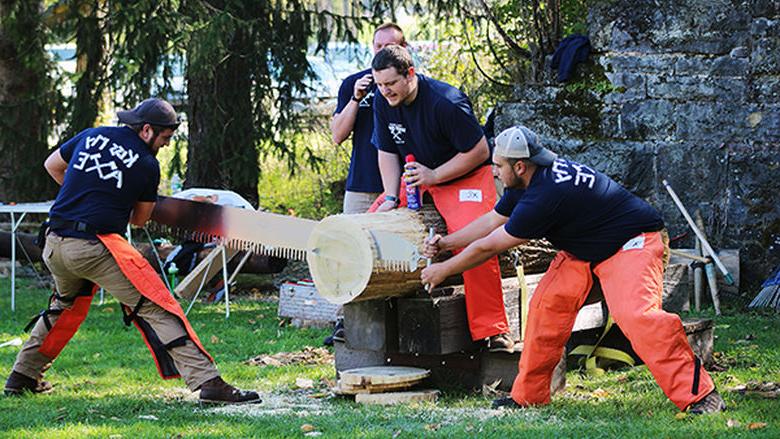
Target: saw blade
x=394 y=252
x=242 y=229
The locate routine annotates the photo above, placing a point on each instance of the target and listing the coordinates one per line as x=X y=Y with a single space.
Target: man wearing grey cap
x=602 y=230
x=109 y=177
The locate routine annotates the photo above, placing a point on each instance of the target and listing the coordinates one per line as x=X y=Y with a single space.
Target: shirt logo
x=579 y=173
x=635 y=243
x=473 y=195
x=93 y=160
x=366 y=101
x=396 y=130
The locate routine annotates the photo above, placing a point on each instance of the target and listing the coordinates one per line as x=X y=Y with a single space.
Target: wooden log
x=346 y=264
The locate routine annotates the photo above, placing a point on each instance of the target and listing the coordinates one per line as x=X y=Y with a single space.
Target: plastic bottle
x=412 y=193
x=175 y=184
x=173 y=270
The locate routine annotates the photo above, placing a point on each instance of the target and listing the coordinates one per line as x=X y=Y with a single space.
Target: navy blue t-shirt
x=109 y=170
x=578 y=210
x=363 y=168
x=435 y=127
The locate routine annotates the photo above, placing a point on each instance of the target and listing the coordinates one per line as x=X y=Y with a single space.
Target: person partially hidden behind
x=109 y=176
x=601 y=230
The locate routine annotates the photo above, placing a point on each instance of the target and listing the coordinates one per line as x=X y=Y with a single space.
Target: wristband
x=356 y=99
x=392 y=198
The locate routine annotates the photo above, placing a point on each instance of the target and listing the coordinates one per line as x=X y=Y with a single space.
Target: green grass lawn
x=106 y=386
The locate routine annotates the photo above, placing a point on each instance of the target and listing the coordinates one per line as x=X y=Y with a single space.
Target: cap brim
x=544 y=157
x=128 y=117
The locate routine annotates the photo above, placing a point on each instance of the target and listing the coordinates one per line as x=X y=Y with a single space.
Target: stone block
x=710 y=121
x=693 y=88
x=766 y=89
x=718 y=66
x=647 y=120
x=765 y=57
x=630 y=86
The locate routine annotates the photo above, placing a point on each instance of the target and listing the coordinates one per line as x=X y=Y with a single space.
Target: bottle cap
x=409 y=158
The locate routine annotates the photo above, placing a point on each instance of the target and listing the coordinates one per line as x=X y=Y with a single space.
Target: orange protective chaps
x=632 y=281
x=460 y=202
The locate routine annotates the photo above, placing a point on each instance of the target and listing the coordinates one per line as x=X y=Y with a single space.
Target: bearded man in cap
x=601 y=230
x=109 y=177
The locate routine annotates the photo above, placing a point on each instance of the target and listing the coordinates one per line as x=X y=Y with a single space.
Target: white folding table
x=20 y=209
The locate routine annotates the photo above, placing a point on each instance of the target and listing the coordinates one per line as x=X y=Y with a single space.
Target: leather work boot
x=17 y=384
x=505 y=402
x=501 y=343
x=217 y=391
x=712 y=403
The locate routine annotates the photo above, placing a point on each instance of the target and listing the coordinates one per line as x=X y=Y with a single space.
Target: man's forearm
x=463 y=162
x=479 y=228
x=390 y=171
x=481 y=250
x=343 y=123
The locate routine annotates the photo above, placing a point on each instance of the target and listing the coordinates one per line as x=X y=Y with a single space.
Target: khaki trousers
x=77 y=262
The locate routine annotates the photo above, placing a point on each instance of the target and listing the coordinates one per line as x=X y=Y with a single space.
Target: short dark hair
x=391 y=26
x=156 y=129
x=393 y=56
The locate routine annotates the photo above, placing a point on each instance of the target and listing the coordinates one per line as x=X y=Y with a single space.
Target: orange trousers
x=632 y=281
x=460 y=202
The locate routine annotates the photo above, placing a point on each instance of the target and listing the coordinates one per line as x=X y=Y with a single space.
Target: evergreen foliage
x=27 y=101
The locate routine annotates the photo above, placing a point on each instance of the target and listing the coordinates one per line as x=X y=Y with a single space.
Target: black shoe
x=217 y=391
x=501 y=343
x=17 y=384
x=712 y=403
x=338 y=333
x=506 y=402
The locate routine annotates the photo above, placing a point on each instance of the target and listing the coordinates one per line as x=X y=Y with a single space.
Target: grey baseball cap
x=153 y=111
x=518 y=142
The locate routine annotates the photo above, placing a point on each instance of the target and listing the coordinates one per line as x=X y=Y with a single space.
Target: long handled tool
x=700 y=235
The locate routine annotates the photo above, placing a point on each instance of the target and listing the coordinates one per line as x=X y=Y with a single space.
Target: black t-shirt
x=578 y=210
x=435 y=127
x=109 y=170
x=363 y=167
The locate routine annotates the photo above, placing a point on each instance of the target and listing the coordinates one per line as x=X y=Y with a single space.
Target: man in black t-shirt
x=109 y=177
x=602 y=230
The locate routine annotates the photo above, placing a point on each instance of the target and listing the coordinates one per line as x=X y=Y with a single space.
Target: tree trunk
x=25 y=103
x=222 y=151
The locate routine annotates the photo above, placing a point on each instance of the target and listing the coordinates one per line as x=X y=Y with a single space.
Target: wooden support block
x=396 y=398
x=452 y=371
x=371 y=325
x=300 y=300
x=346 y=358
x=433 y=326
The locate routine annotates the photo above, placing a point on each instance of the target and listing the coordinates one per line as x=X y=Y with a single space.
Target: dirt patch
x=308 y=356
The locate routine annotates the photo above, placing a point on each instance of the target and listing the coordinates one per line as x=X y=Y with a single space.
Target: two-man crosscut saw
x=243 y=229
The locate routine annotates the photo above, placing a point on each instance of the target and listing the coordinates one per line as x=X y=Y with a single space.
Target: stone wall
x=683 y=90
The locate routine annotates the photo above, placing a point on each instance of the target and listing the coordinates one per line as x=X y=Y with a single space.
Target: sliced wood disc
x=394 y=398
x=346 y=389
x=368 y=376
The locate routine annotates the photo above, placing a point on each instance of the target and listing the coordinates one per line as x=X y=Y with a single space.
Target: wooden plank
x=395 y=398
x=189 y=285
x=382 y=375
